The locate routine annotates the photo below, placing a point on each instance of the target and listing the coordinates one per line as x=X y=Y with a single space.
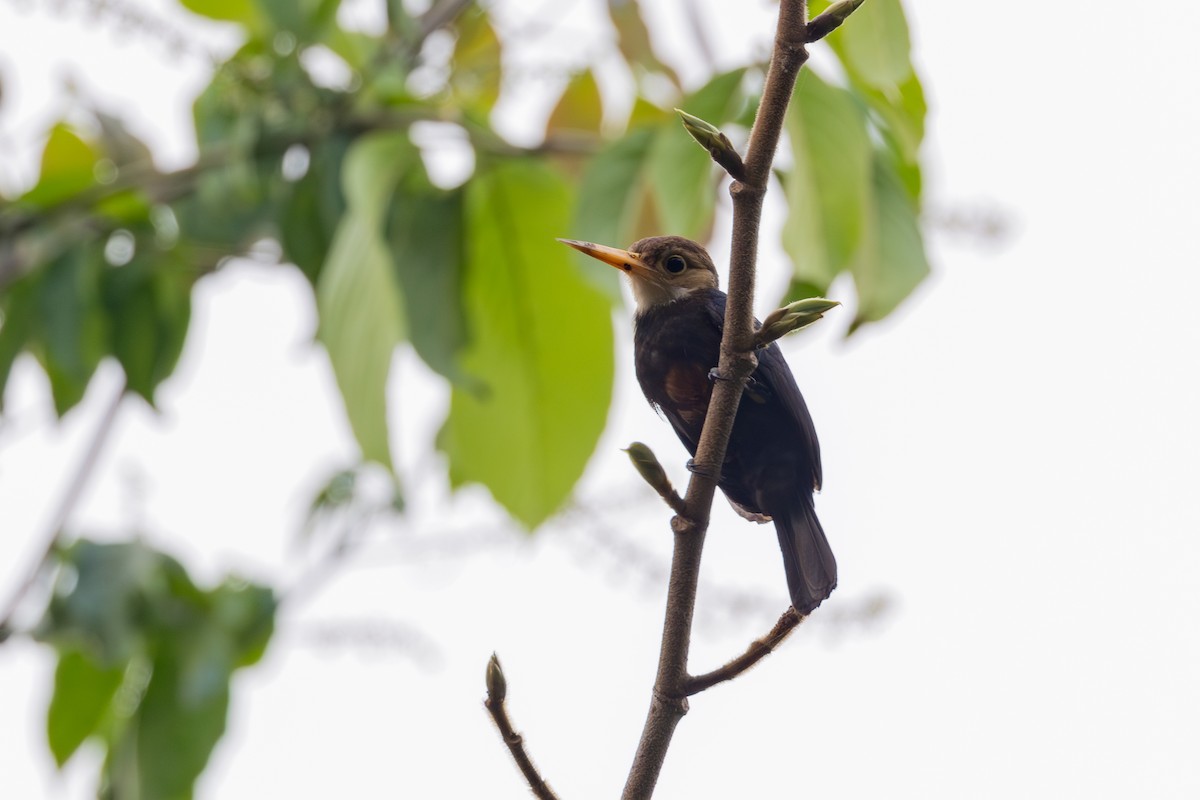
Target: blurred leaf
x=17 y=315
x=610 y=203
x=308 y=219
x=579 y=108
x=98 y=601
x=425 y=234
x=475 y=68
x=541 y=344
x=893 y=262
x=175 y=736
x=243 y=12
x=244 y=614
x=149 y=307
x=293 y=16
x=72 y=325
x=874 y=44
x=634 y=40
x=828 y=188
x=902 y=113
x=681 y=173
x=645 y=113
x=120 y=144
x=901 y=120
x=68 y=168
x=145 y=662
x=358 y=50
x=358 y=300
x=83 y=692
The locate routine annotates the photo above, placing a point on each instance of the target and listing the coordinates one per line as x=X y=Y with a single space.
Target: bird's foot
x=702 y=471
x=715 y=375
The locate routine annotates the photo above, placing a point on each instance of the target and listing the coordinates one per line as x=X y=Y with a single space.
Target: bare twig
x=497 y=689
x=70 y=499
x=757 y=651
x=737 y=362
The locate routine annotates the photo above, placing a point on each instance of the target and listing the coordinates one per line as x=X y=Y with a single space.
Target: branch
x=79 y=221
x=737 y=362
x=497 y=689
x=757 y=651
x=70 y=499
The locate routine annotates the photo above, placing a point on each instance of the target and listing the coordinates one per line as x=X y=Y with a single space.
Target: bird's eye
x=675 y=264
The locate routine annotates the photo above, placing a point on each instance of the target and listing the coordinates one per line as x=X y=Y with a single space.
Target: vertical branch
x=737 y=362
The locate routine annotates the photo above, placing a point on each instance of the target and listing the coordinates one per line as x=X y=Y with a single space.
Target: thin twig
x=737 y=362
x=70 y=499
x=497 y=688
x=757 y=651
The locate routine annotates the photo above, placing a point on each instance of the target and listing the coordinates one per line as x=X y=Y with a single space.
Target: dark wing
x=773 y=382
x=774 y=372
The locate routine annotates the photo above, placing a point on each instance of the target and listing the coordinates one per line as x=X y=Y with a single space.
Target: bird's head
x=661 y=269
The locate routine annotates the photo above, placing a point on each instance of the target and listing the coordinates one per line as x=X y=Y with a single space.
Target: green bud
x=497 y=686
x=647 y=465
x=793 y=317
x=831 y=19
x=717 y=144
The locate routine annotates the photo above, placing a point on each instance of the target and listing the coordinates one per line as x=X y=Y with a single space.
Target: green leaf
x=68 y=168
x=893 y=262
x=178 y=726
x=72 y=324
x=425 y=235
x=681 y=173
x=146 y=659
x=149 y=307
x=633 y=38
x=900 y=117
x=828 y=189
x=901 y=113
x=244 y=12
x=476 y=65
x=17 y=316
x=541 y=345
x=610 y=203
x=309 y=217
x=83 y=691
x=579 y=108
x=244 y=615
x=97 y=600
x=874 y=44
x=362 y=317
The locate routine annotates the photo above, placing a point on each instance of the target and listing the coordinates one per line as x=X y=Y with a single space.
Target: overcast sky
x=1011 y=465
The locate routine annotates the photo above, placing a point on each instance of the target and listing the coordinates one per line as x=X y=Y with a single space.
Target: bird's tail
x=807 y=559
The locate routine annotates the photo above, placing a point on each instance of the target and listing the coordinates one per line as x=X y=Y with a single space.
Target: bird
x=773 y=462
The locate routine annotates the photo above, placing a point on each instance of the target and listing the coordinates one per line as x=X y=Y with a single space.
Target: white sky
x=1011 y=460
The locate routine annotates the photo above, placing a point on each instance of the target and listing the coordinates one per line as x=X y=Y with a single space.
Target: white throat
x=647 y=295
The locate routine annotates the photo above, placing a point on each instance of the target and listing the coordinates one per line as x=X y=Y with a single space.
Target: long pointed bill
x=613 y=256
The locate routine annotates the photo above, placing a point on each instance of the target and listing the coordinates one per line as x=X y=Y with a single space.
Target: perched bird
x=773 y=463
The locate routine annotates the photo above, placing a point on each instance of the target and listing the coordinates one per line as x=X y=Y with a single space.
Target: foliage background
x=990 y=432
